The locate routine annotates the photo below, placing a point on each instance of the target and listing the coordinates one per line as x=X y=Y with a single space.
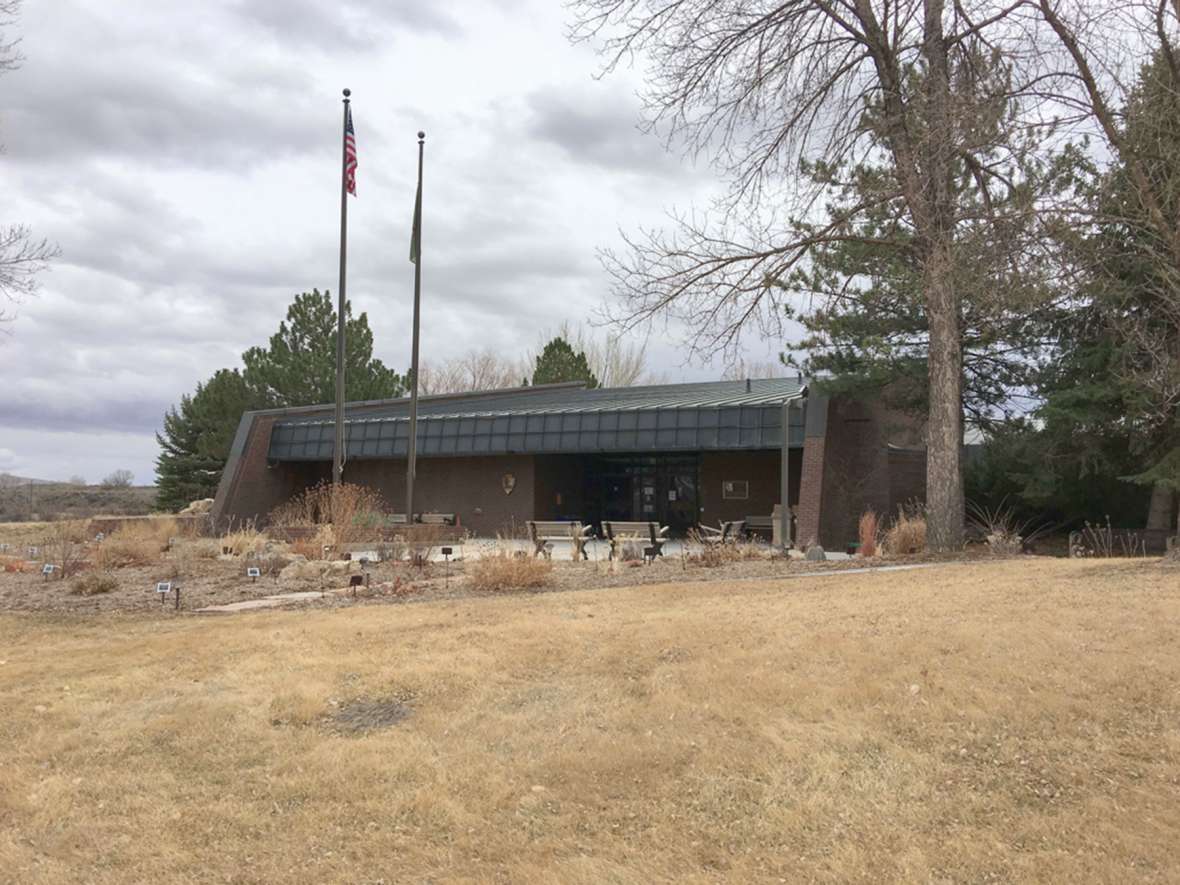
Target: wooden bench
x=762 y=526
x=542 y=533
x=618 y=532
x=436 y=518
x=728 y=533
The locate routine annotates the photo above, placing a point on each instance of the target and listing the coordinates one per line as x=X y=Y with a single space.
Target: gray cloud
x=164 y=112
x=312 y=23
x=597 y=126
x=186 y=160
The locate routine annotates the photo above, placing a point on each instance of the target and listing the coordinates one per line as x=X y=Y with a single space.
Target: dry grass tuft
x=716 y=555
x=313 y=546
x=141 y=542
x=502 y=570
x=296 y=708
x=243 y=541
x=94 y=583
x=867 y=530
x=907 y=534
x=201 y=548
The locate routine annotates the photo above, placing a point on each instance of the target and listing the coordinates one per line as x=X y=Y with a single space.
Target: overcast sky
x=185 y=156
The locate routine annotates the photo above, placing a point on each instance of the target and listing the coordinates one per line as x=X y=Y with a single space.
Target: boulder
x=197 y=508
x=815 y=553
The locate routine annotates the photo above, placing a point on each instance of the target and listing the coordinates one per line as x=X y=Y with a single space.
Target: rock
x=815 y=553
x=339 y=567
x=299 y=570
x=197 y=508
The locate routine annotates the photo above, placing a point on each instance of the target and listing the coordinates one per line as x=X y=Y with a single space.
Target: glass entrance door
x=662 y=488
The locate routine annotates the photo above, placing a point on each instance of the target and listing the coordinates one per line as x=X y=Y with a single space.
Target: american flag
x=349 y=153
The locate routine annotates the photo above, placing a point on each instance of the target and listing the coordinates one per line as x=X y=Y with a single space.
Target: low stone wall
x=198 y=524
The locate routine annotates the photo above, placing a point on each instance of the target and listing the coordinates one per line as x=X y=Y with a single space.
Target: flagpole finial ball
x=421 y=135
x=347 y=92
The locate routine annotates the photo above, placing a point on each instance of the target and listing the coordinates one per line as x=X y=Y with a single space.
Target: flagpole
x=416 y=255
x=338 y=448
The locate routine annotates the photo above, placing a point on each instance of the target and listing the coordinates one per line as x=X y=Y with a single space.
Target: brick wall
x=849 y=467
x=256 y=488
x=559 y=487
x=907 y=477
x=471 y=488
x=759 y=469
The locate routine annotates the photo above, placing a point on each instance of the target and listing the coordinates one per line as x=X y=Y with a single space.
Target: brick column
x=252 y=489
x=811 y=482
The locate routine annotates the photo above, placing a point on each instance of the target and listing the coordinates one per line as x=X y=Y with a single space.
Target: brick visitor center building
x=680 y=454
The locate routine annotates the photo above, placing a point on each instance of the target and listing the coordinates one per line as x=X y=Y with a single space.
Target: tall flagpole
x=338 y=448
x=416 y=257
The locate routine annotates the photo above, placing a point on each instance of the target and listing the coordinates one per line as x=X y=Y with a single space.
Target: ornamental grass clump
x=867 y=531
x=907 y=535
x=504 y=570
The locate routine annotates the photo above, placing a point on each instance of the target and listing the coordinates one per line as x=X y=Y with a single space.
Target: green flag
x=416 y=236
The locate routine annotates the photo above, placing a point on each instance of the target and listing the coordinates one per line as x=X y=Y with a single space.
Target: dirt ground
x=985 y=722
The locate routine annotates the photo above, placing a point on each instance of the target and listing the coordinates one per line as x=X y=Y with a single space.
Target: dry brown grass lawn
x=1010 y=721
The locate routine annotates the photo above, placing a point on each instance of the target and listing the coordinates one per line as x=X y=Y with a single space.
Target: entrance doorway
x=662 y=488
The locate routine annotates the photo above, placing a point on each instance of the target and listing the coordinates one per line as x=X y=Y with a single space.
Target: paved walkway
x=275 y=601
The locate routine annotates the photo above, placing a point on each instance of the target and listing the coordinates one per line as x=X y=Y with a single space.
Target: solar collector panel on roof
x=719 y=416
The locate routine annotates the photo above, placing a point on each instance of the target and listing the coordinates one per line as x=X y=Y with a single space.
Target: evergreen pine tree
x=560 y=362
x=298 y=368
x=196 y=439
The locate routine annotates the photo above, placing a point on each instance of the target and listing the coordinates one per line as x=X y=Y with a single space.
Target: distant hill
x=7 y=480
x=31 y=500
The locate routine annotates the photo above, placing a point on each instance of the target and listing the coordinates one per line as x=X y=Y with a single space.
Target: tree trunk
x=1159 y=512
x=944 y=431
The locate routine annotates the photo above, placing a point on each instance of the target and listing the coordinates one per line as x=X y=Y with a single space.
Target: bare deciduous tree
x=932 y=95
x=614 y=360
x=22 y=256
x=741 y=370
x=474 y=370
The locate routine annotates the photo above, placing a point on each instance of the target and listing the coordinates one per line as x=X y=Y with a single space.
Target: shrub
x=867 y=533
x=311 y=546
x=501 y=570
x=908 y=532
x=12 y=564
x=203 y=548
x=243 y=541
x=93 y=584
x=136 y=543
x=1000 y=528
x=355 y=513
x=272 y=564
x=66 y=546
x=713 y=555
